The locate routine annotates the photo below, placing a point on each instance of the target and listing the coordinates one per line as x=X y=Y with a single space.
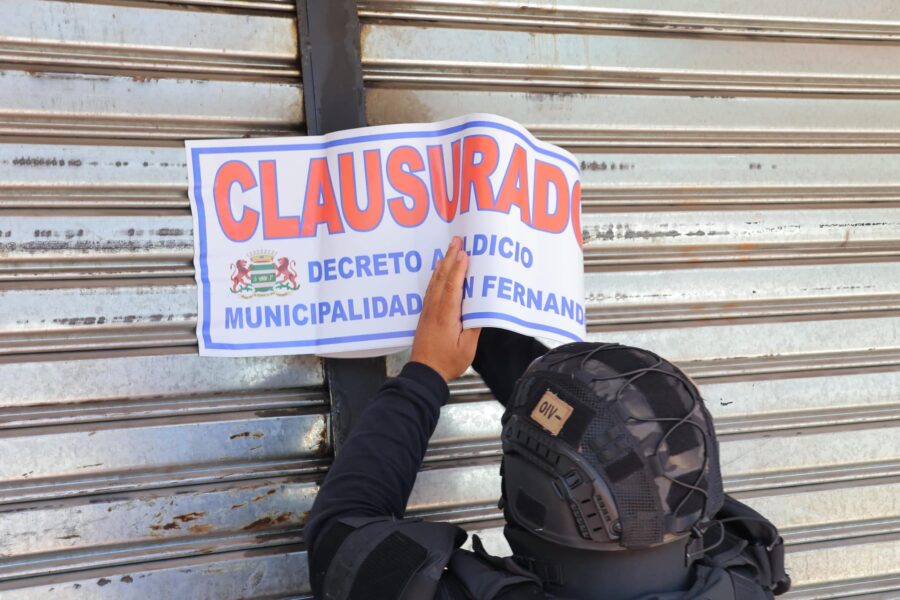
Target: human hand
x=440 y=341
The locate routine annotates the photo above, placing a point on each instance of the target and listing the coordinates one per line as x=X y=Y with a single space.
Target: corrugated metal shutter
x=129 y=466
x=742 y=180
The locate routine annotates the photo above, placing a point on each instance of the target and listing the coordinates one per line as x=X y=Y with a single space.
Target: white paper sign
x=326 y=244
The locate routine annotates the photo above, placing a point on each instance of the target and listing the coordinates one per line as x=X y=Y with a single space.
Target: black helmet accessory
x=608 y=447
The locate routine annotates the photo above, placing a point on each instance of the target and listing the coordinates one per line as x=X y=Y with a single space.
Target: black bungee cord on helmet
x=634 y=375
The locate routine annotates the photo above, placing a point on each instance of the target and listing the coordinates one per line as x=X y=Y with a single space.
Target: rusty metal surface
x=738 y=220
x=875 y=20
x=138 y=245
x=577 y=62
x=657 y=295
x=131 y=427
x=82 y=246
x=67 y=300
x=133 y=40
x=87 y=458
x=761 y=338
x=815 y=515
x=92 y=177
x=72 y=378
x=110 y=317
x=585 y=121
x=866 y=570
x=279 y=572
x=741 y=184
x=123 y=528
x=285 y=6
x=131 y=467
x=74 y=105
x=762 y=180
x=54 y=176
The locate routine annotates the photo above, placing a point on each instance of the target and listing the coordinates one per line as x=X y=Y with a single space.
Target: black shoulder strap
x=710 y=583
x=382 y=558
x=749 y=546
x=487 y=577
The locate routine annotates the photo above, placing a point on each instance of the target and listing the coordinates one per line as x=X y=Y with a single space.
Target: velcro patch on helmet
x=551 y=412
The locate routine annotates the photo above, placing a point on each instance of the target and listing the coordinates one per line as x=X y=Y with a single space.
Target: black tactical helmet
x=607 y=447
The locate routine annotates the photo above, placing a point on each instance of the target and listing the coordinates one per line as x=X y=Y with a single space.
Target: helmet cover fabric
x=608 y=447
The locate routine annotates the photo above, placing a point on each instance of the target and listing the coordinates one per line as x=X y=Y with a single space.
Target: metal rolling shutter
x=742 y=180
x=129 y=466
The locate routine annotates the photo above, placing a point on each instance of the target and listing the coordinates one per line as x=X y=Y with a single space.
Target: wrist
x=428 y=376
x=431 y=364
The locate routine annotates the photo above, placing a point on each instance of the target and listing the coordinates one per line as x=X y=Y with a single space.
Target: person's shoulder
x=453 y=588
x=405 y=559
x=486 y=577
x=382 y=557
x=749 y=548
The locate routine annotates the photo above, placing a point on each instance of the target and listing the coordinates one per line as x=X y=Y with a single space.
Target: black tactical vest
x=410 y=559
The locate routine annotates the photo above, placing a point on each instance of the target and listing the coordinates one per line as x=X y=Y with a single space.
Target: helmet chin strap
x=611 y=575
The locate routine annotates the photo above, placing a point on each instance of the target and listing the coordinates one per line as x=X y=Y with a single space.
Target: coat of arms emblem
x=263 y=274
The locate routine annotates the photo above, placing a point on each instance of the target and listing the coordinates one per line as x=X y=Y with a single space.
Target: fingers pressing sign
x=441 y=342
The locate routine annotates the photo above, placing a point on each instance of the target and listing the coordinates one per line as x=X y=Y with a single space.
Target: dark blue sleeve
x=501 y=358
x=374 y=473
x=376 y=468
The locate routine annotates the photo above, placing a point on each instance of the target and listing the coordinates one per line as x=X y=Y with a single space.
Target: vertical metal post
x=331 y=64
x=334 y=98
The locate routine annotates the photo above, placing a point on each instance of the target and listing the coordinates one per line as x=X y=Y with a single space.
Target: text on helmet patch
x=551 y=412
